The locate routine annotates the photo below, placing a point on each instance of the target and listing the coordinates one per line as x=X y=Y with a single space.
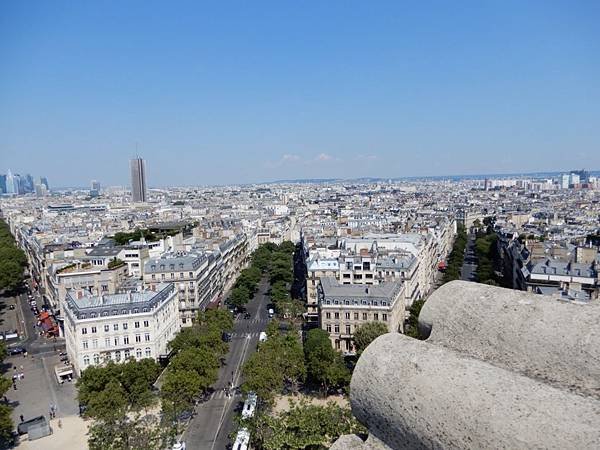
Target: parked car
x=262 y=337
x=16 y=350
x=23 y=427
x=226 y=336
x=247 y=316
x=271 y=313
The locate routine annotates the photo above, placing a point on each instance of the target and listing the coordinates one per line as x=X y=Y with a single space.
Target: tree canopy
x=325 y=366
x=12 y=260
x=367 y=333
x=304 y=426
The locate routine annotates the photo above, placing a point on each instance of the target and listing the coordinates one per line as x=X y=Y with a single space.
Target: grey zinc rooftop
x=332 y=289
x=175 y=262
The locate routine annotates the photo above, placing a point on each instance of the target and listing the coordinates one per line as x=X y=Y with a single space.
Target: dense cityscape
x=190 y=282
x=303 y=225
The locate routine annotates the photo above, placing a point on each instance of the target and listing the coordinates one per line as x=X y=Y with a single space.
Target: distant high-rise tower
x=95 y=188
x=138 y=180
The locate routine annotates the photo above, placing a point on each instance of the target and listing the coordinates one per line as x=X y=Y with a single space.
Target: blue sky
x=236 y=92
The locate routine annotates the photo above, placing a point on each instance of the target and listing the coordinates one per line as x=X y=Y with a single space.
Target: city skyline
x=322 y=91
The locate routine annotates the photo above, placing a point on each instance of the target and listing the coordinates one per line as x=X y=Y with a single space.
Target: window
x=84 y=331
x=118 y=356
x=148 y=352
x=346 y=275
x=384 y=317
x=162 y=276
x=181 y=275
x=183 y=320
x=347 y=329
x=383 y=303
x=364 y=316
x=172 y=276
x=337 y=315
x=347 y=316
x=93 y=329
x=106 y=328
x=147 y=337
x=86 y=360
x=191 y=274
x=355 y=316
x=138 y=353
x=127 y=354
x=116 y=340
x=375 y=316
x=96 y=358
x=116 y=327
x=126 y=340
x=328 y=315
x=136 y=324
x=107 y=342
x=154 y=276
x=138 y=338
x=95 y=343
x=329 y=328
x=125 y=325
x=337 y=328
x=146 y=323
x=85 y=345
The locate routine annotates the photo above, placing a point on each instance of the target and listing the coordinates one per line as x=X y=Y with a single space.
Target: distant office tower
x=564 y=181
x=10 y=183
x=138 y=179
x=95 y=189
x=574 y=179
x=44 y=181
x=2 y=184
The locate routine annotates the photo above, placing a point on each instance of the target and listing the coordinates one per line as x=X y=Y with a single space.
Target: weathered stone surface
x=353 y=442
x=538 y=336
x=417 y=395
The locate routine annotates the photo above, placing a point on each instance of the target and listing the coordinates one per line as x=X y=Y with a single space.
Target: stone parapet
x=500 y=370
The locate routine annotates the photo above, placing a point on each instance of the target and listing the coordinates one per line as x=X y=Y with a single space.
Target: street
x=38 y=389
x=470 y=263
x=213 y=420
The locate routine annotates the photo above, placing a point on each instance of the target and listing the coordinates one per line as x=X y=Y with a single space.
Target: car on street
x=262 y=337
x=16 y=350
x=271 y=313
x=226 y=336
x=23 y=427
x=247 y=316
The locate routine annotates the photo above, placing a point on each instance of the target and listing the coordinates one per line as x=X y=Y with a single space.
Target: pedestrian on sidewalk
x=22 y=418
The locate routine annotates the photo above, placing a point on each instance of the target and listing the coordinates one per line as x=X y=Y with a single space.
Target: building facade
x=138 y=180
x=117 y=327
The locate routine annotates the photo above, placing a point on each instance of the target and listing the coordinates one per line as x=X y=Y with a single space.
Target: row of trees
x=12 y=260
x=199 y=351
x=121 y=398
x=487 y=252
x=281 y=364
x=6 y=423
x=277 y=262
x=303 y=426
x=457 y=256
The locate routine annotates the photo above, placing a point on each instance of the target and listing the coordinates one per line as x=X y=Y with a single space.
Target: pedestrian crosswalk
x=238 y=335
x=222 y=393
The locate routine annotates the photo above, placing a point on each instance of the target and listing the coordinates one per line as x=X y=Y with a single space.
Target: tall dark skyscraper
x=138 y=179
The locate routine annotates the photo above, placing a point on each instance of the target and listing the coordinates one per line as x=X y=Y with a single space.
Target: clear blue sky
x=227 y=92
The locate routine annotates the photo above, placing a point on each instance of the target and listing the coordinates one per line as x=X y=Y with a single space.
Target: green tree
x=304 y=426
x=239 y=296
x=179 y=390
x=413 y=319
x=367 y=333
x=324 y=365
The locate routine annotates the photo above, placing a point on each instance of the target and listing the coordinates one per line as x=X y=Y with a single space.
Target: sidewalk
x=72 y=435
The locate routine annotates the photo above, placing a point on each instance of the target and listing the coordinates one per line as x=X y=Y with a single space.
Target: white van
x=242 y=440
x=262 y=337
x=271 y=313
x=249 y=406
